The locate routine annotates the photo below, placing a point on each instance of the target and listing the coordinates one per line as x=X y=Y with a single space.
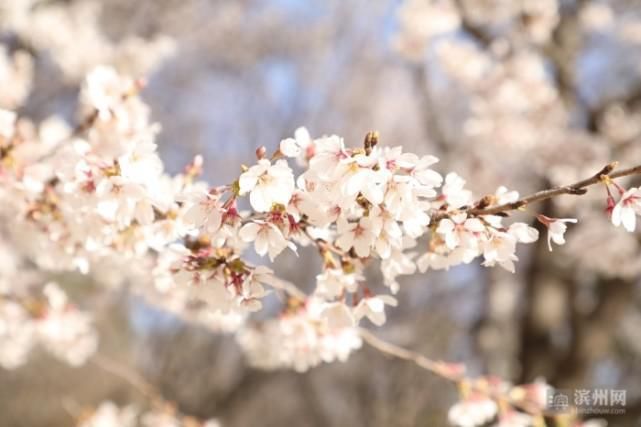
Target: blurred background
x=527 y=93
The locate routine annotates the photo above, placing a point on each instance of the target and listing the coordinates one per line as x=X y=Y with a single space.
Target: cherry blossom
x=267 y=238
x=556 y=228
x=333 y=282
x=302 y=338
x=358 y=235
x=301 y=146
x=626 y=210
x=459 y=231
x=500 y=249
x=454 y=193
x=373 y=307
x=204 y=211
x=267 y=184
x=328 y=153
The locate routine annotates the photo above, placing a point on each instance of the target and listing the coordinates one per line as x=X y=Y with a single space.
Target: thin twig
x=442 y=370
x=578 y=188
x=131 y=377
x=435 y=367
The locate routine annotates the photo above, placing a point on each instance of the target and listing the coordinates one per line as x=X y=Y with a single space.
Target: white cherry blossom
x=267 y=184
x=299 y=146
x=523 y=232
x=373 y=307
x=267 y=238
x=460 y=231
x=454 y=193
x=626 y=210
x=556 y=228
x=328 y=154
x=500 y=249
x=204 y=210
x=333 y=282
x=358 y=235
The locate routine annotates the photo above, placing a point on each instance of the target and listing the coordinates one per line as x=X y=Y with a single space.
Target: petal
x=559 y=239
x=377 y=318
x=628 y=218
x=345 y=241
x=289 y=147
x=616 y=215
x=261 y=245
x=259 y=199
x=374 y=193
x=389 y=300
x=362 y=246
x=248 y=232
x=247 y=182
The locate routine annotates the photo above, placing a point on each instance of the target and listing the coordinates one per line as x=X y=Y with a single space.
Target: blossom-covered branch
x=603 y=176
x=101 y=204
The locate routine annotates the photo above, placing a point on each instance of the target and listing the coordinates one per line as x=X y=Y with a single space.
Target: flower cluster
x=304 y=336
x=48 y=320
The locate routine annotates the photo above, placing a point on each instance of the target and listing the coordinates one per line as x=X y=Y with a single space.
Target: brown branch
x=578 y=188
x=438 y=368
x=442 y=370
x=131 y=377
